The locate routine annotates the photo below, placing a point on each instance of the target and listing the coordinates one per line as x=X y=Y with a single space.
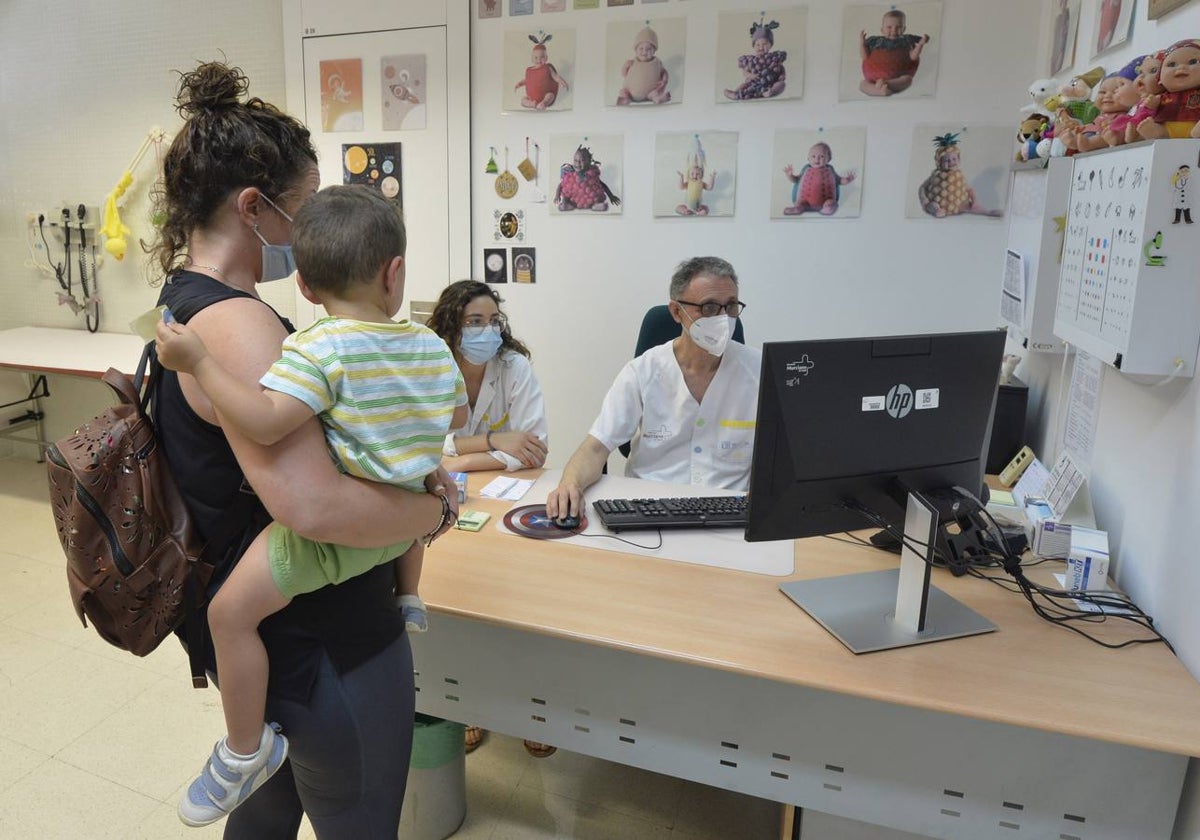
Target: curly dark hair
x=447 y=316
x=225 y=144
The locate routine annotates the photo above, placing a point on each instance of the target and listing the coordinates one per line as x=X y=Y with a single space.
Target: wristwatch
x=446 y=518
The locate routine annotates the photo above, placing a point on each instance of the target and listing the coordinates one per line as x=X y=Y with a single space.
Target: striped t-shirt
x=385 y=393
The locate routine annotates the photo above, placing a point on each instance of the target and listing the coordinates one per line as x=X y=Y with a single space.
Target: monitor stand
x=893 y=608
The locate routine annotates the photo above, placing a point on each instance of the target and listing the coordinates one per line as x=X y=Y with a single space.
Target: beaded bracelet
x=446 y=518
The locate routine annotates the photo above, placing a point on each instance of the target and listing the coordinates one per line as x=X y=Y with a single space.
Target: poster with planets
x=375 y=165
x=495 y=265
x=402 y=84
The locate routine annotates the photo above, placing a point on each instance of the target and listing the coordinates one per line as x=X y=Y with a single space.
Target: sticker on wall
x=342 y=95
x=402 y=83
x=645 y=61
x=818 y=174
x=612 y=3
x=586 y=4
x=589 y=173
x=495 y=265
x=524 y=263
x=520 y=7
x=760 y=55
x=957 y=171
x=695 y=174
x=1112 y=25
x=510 y=225
x=554 y=5
x=538 y=68
x=375 y=165
x=890 y=50
x=489 y=8
x=1181 y=194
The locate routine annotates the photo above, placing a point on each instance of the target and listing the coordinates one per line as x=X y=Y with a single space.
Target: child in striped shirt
x=386 y=394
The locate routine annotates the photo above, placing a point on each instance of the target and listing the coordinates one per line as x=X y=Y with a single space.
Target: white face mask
x=479 y=344
x=277 y=260
x=712 y=334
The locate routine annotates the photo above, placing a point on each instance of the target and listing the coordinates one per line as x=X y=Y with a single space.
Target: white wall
x=878 y=274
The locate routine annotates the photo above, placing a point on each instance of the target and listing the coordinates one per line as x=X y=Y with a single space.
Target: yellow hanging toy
x=113 y=229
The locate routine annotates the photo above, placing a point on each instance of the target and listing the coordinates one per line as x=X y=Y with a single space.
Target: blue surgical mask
x=480 y=344
x=277 y=260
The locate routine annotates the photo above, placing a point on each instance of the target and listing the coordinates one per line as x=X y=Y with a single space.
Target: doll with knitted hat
x=643 y=77
x=763 y=69
x=1177 y=109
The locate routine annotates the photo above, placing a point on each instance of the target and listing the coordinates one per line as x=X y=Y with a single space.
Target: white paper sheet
x=1065 y=480
x=1032 y=483
x=1012 y=297
x=1083 y=409
x=503 y=487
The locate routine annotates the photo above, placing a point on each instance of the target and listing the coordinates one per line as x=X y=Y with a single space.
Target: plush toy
x=1075 y=102
x=817 y=186
x=763 y=69
x=946 y=191
x=1029 y=134
x=580 y=187
x=1177 y=109
x=1113 y=97
x=1147 y=85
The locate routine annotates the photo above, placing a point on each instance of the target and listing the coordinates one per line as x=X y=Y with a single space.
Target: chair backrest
x=658 y=327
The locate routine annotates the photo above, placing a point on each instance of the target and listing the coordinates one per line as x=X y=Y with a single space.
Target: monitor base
x=860 y=611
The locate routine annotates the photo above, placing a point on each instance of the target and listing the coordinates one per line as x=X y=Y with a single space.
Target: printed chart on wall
x=1102 y=253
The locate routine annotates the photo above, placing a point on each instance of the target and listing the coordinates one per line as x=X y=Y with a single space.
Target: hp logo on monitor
x=899 y=401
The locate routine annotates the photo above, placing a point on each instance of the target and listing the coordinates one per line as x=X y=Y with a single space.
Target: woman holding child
x=341 y=681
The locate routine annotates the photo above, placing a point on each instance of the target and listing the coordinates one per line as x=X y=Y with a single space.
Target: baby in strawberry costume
x=890 y=59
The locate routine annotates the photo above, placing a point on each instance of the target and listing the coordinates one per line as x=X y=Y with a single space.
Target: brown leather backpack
x=134 y=562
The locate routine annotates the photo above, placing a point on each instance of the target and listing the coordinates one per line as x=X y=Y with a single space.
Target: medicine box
x=1058 y=539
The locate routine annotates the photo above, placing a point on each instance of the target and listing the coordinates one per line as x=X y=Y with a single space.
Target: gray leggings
x=348 y=755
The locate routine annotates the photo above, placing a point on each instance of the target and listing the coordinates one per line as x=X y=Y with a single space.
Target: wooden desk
x=714 y=675
x=38 y=351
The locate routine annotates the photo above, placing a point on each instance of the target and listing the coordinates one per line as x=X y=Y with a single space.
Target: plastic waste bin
x=435 y=800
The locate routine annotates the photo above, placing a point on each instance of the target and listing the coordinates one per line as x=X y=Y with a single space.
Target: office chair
x=658 y=327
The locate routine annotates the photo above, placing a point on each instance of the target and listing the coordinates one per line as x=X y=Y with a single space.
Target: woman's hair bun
x=211 y=86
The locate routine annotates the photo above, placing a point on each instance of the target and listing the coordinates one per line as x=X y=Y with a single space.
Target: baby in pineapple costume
x=946 y=192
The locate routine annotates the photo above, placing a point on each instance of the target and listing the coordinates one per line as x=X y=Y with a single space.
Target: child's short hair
x=823 y=145
x=897 y=14
x=344 y=235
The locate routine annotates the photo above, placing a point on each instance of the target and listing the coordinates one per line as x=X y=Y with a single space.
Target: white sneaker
x=227 y=780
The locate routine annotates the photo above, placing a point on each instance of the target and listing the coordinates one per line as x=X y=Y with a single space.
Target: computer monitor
x=882 y=424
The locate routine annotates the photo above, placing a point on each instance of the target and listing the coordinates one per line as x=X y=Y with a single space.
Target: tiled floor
x=96 y=744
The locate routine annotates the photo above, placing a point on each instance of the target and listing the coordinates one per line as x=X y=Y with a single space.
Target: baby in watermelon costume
x=580 y=187
x=817 y=186
x=890 y=59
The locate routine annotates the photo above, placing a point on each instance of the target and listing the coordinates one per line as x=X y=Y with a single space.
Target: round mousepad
x=531 y=521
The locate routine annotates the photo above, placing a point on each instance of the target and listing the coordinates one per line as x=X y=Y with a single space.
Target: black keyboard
x=651 y=514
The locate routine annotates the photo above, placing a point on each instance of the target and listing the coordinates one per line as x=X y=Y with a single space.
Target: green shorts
x=300 y=565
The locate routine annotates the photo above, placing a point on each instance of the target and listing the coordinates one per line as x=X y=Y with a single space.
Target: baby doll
x=763 y=68
x=580 y=187
x=542 y=80
x=1147 y=85
x=817 y=186
x=890 y=59
x=1177 y=109
x=644 y=78
x=694 y=184
x=946 y=191
x=1074 y=108
x=1112 y=98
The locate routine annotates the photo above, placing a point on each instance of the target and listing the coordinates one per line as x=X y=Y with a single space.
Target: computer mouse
x=567 y=522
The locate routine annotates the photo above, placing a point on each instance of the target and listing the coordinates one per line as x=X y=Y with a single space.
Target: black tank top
x=352 y=621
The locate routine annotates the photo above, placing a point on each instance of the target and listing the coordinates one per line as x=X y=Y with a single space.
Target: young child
x=644 y=78
x=542 y=80
x=386 y=393
x=763 y=69
x=890 y=59
x=817 y=186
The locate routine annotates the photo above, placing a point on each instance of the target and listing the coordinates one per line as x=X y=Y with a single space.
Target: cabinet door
x=358 y=107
